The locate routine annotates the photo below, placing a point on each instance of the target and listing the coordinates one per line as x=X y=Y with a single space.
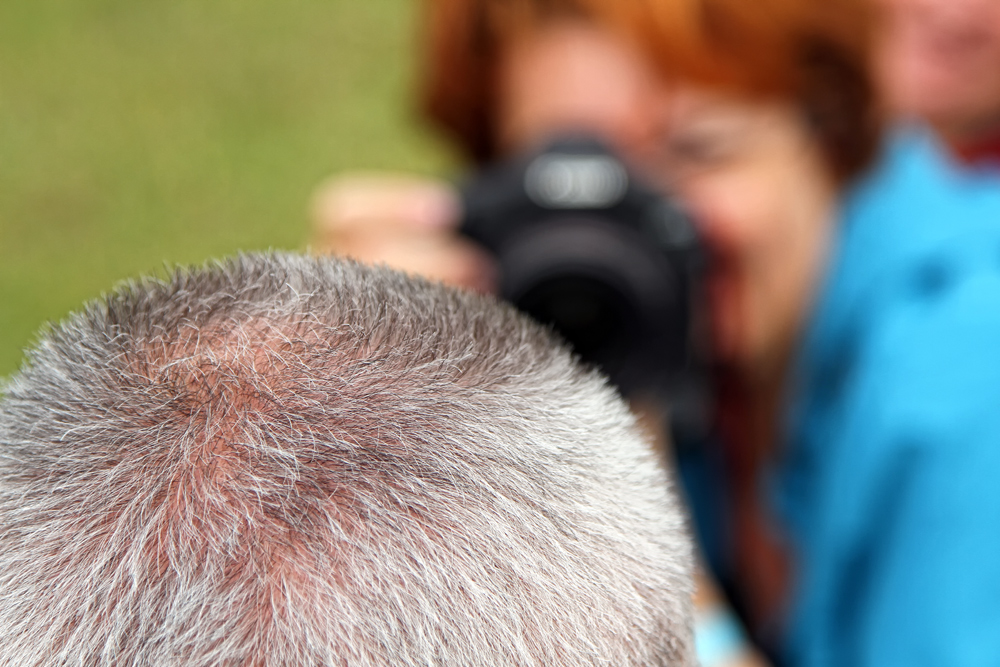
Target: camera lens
x=593 y=316
x=604 y=290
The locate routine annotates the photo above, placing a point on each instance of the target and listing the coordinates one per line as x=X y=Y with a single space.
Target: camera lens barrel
x=611 y=296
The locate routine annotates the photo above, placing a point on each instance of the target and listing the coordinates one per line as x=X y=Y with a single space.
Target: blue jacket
x=891 y=482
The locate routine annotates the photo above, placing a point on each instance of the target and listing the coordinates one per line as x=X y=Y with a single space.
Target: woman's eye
x=701 y=150
x=694 y=151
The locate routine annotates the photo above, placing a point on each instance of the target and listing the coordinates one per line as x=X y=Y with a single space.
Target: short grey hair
x=283 y=461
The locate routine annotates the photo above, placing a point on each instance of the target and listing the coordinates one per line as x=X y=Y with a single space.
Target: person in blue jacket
x=890 y=483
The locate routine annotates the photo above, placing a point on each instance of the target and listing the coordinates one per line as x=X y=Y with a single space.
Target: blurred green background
x=135 y=133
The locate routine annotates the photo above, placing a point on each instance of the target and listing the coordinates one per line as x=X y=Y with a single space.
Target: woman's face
x=754 y=177
x=751 y=173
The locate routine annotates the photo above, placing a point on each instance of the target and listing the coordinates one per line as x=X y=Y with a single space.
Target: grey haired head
x=287 y=461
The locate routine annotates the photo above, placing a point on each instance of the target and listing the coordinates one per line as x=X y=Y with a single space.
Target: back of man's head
x=283 y=461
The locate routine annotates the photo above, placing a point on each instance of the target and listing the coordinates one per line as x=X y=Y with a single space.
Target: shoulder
x=914 y=198
x=901 y=352
x=920 y=239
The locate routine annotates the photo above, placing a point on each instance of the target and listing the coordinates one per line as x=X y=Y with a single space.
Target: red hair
x=464 y=42
x=814 y=53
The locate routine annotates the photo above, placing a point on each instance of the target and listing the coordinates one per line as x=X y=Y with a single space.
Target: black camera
x=614 y=266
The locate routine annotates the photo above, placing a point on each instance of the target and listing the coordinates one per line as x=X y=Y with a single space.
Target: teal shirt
x=891 y=482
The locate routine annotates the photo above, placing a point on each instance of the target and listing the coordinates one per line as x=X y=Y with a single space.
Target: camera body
x=612 y=265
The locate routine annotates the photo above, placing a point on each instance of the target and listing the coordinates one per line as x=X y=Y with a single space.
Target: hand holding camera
x=404 y=221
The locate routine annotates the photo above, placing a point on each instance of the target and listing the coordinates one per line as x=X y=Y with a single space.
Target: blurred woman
x=756 y=115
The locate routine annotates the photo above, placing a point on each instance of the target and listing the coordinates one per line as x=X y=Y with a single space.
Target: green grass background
x=135 y=133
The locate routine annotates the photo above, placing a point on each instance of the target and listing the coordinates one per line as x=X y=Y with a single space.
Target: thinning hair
x=289 y=461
